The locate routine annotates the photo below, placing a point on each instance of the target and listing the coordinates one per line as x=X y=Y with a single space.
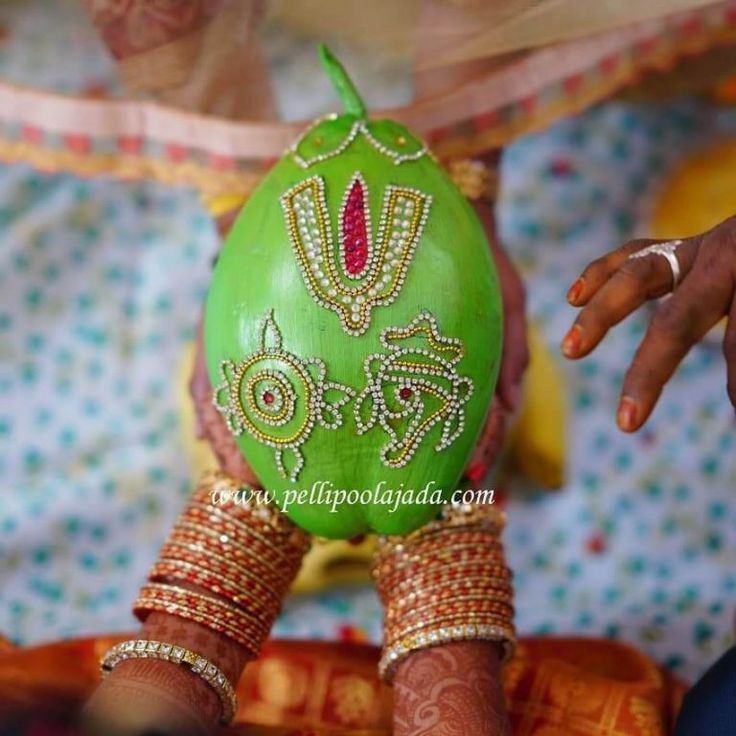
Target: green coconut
x=353 y=327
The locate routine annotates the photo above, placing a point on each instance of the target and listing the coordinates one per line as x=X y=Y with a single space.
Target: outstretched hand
x=614 y=286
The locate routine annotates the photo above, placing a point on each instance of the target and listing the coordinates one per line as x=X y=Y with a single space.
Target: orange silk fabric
x=554 y=687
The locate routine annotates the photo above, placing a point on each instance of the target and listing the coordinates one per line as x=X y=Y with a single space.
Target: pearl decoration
x=321 y=265
x=423 y=366
x=240 y=398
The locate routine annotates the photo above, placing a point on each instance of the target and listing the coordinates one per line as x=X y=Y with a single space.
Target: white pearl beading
x=229 y=397
x=422 y=372
x=404 y=214
x=359 y=127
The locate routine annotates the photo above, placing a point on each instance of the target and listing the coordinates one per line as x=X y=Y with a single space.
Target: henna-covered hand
x=615 y=285
x=143 y=696
x=451 y=689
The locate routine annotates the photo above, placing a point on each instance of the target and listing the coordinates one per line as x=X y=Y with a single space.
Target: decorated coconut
x=353 y=327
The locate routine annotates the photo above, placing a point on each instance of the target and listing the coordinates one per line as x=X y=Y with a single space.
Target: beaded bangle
x=166 y=570
x=243 y=627
x=447 y=581
x=200 y=666
x=454 y=619
x=202 y=534
x=235 y=571
x=436 y=635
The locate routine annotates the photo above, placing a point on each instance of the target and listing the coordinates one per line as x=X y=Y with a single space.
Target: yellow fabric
x=538 y=442
x=699 y=193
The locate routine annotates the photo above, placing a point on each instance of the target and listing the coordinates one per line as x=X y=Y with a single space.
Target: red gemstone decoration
x=405 y=393
x=354 y=231
x=268 y=397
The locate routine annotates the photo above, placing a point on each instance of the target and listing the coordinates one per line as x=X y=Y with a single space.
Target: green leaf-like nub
x=343 y=84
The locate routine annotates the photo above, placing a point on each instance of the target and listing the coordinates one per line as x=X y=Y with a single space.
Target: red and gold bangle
x=240 y=558
x=198 y=533
x=169 y=570
x=283 y=535
x=241 y=576
x=413 y=563
x=246 y=570
x=424 y=578
x=408 y=606
x=447 y=581
x=223 y=525
x=468 y=601
x=461 y=537
x=215 y=614
x=446 y=548
x=203 y=603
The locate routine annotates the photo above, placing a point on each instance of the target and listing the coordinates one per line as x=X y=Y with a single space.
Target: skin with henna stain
x=451 y=689
x=434 y=681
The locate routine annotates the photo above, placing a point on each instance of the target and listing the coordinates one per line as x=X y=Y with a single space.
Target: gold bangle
x=403 y=607
x=200 y=529
x=431 y=637
x=444 y=582
x=248 y=628
x=199 y=665
x=448 y=620
x=473 y=178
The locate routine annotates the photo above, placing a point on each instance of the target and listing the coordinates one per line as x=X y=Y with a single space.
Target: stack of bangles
x=447 y=581
x=226 y=565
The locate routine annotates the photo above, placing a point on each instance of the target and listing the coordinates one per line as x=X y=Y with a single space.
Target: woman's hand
x=613 y=286
x=457 y=686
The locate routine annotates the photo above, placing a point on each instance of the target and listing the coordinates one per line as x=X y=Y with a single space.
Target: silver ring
x=667 y=250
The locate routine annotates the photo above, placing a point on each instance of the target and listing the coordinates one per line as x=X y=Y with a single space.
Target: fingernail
x=626 y=415
x=571 y=343
x=575 y=291
x=477 y=472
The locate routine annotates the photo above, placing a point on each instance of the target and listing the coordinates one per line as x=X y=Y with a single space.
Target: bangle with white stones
x=206 y=670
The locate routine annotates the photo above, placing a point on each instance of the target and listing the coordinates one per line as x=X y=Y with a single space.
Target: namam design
x=413 y=387
x=278 y=398
x=360 y=272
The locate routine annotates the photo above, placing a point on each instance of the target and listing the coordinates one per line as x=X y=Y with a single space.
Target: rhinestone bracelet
x=206 y=670
x=430 y=637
